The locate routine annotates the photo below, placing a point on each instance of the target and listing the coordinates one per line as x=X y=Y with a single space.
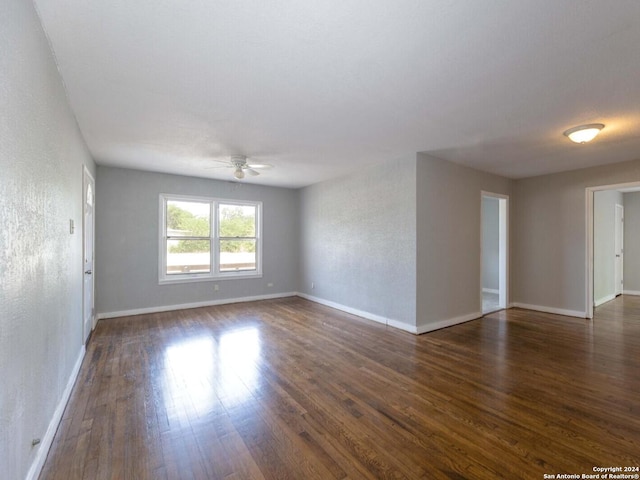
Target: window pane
x=188 y=219
x=188 y=256
x=237 y=255
x=237 y=220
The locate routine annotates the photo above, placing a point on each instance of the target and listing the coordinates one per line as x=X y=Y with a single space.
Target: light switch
x=71 y=227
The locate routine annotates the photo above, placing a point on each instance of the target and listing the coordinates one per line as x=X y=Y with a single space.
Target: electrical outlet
x=313 y=285
x=269 y=284
x=216 y=287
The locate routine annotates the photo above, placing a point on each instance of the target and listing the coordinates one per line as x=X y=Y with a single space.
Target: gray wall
x=448 y=238
x=490 y=243
x=632 y=242
x=549 y=226
x=127 y=240
x=358 y=244
x=41 y=158
x=604 y=245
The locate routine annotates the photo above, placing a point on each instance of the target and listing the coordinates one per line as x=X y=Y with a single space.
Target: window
x=237 y=237
x=208 y=238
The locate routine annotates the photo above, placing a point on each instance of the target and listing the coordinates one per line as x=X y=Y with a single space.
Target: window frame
x=214 y=238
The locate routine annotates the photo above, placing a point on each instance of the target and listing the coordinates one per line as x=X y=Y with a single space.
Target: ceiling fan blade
x=215 y=163
x=251 y=171
x=259 y=165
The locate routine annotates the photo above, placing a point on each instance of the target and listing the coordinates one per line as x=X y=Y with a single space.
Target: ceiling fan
x=241 y=166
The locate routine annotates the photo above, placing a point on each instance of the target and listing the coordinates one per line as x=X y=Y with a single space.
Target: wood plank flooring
x=288 y=389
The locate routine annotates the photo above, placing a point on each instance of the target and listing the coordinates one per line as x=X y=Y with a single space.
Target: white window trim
x=214 y=274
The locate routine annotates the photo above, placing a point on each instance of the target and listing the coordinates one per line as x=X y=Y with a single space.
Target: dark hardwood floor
x=288 y=389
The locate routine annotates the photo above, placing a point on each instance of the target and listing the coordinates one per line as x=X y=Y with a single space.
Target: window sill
x=210 y=278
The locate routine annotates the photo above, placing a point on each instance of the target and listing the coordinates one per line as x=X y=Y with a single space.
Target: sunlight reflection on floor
x=200 y=373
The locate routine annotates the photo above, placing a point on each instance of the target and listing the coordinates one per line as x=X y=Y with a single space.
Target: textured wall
x=41 y=157
x=604 y=247
x=448 y=238
x=358 y=243
x=490 y=242
x=127 y=216
x=550 y=233
x=632 y=241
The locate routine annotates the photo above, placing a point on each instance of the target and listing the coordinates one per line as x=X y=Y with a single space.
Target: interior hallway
x=490 y=302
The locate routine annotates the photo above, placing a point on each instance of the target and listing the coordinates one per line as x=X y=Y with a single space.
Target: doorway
x=605 y=245
x=494 y=252
x=88 y=205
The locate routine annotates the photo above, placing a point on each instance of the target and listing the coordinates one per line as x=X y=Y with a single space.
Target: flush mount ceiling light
x=584 y=133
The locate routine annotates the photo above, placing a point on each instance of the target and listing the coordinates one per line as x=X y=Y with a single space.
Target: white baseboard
x=391 y=322
x=491 y=290
x=631 y=292
x=360 y=313
x=557 y=311
x=605 y=299
x=430 y=327
x=47 y=440
x=184 y=306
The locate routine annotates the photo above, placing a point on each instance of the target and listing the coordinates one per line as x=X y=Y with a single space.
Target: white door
x=619 y=249
x=88 y=283
x=502 y=261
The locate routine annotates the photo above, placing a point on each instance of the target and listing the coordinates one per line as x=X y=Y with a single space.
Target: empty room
x=319 y=240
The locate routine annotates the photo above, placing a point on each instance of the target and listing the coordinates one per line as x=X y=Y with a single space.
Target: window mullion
x=187 y=238
x=238 y=238
x=215 y=268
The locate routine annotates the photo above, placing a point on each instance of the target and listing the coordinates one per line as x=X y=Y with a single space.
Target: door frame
x=503 y=256
x=87 y=175
x=619 y=236
x=589 y=192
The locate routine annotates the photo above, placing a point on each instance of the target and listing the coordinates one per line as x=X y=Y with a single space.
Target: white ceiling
x=323 y=88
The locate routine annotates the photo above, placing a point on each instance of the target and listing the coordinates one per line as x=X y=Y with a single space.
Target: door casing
x=619 y=250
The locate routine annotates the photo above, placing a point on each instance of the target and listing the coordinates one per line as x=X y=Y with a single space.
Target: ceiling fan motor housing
x=239 y=161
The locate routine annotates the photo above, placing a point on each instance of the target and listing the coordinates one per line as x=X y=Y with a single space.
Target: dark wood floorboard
x=289 y=389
